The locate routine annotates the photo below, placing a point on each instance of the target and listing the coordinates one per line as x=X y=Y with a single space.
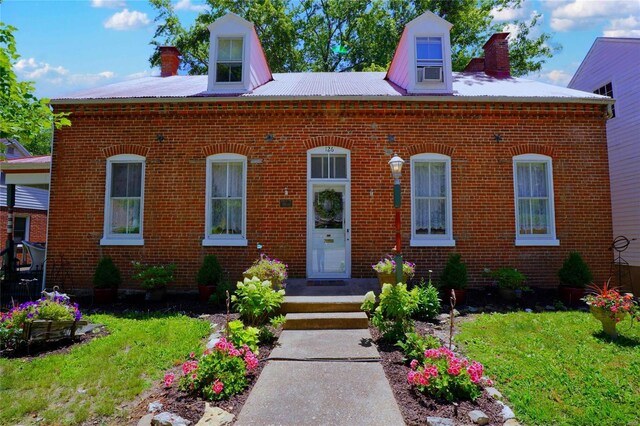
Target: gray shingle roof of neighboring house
x=470 y=86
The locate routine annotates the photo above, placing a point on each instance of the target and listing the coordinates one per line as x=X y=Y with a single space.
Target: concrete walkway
x=322 y=377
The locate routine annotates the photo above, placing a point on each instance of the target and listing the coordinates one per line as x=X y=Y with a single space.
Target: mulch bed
x=415 y=406
x=191 y=407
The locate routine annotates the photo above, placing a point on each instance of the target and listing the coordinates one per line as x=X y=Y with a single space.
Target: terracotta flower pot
x=389 y=278
x=105 y=295
x=570 y=295
x=608 y=322
x=205 y=292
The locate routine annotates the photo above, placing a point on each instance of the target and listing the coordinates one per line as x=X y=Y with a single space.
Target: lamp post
x=396 y=171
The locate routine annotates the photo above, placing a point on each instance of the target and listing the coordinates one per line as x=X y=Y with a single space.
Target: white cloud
x=580 y=14
x=32 y=70
x=108 y=3
x=557 y=77
x=125 y=20
x=623 y=27
x=508 y=14
x=187 y=5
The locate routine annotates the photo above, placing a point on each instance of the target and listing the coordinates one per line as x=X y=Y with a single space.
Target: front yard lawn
x=93 y=380
x=557 y=368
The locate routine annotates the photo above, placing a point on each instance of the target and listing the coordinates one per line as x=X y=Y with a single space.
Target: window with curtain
x=229 y=60
x=226 y=200
x=431 y=200
x=124 y=200
x=534 y=200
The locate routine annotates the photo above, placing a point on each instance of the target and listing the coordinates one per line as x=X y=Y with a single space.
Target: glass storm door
x=328 y=244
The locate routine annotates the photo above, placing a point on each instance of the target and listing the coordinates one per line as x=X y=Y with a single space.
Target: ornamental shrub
x=575 y=272
x=415 y=344
x=107 y=274
x=240 y=335
x=392 y=316
x=210 y=273
x=219 y=373
x=443 y=375
x=428 y=301
x=256 y=301
x=268 y=269
x=508 y=278
x=153 y=276
x=388 y=266
x=454 y=274
x=219 y=297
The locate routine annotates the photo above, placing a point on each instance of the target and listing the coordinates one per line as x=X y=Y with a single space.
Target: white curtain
x=533 y=199
x=430 y=194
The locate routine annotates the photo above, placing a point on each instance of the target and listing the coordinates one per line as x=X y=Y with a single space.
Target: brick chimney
x=169 y=61
x=496 y=56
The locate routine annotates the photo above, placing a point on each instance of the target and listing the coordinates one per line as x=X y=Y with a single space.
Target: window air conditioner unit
x=432 y=73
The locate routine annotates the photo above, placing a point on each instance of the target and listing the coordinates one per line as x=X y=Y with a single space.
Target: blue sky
x=67 y=46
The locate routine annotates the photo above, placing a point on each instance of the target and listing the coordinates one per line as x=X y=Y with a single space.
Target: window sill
x=415 y=242
x=520 y=243
x=228 y=243
x=121 y=242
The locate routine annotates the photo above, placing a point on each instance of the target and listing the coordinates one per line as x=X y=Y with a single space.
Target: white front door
x=328 y=207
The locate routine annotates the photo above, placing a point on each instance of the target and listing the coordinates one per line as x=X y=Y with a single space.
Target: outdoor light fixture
x=396 y=171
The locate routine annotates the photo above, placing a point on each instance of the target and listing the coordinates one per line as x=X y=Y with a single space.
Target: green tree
x=22 y=115
x=351 y=35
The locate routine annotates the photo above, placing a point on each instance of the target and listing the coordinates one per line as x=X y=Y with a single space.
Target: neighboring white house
x=612 y=68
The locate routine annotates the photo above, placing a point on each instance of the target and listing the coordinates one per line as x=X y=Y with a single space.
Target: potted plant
x=510 y=282
x=386 y=271
x=268 y=269
x=454 y=277
x=610 y=307
x=574 y=277
x=106 y=280
x=154 y=279
x=209 y=277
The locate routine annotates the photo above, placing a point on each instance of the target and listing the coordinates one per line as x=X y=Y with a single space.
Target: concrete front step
x=297 y=304
x=326 y=321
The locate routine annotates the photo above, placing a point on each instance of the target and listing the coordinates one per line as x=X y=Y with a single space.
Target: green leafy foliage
x=210 y=273
x=154 y=276
x=392 y=316
x=454 y=274
x=350 y=35
x=414 y=345
x=268 y=269
x=575 y=272
x=256 y=301
x=219 y=298
x=508 y=278
x=23 y=116
x=428 y=301
x=107 y=274
x=240 y=335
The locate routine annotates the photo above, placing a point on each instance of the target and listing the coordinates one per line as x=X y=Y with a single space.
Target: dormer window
x=229 y=60
x=429 y=60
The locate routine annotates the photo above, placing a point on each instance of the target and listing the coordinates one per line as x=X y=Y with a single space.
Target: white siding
x=618 y=61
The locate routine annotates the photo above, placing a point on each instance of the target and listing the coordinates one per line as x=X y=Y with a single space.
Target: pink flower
x=251 y=360
x=168 y=379
x=194 y=376
x=414 y=364
x=217 y=387
x=189 y=366
x=192 y=355
x=432 y=353
x=475 y=371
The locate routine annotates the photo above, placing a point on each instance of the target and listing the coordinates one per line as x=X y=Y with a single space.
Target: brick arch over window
x=434 y=148
x=112 y=150
x=329 y=140
x=226 y=148
x=531 y=149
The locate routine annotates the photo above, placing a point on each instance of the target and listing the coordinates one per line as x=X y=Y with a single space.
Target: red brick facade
x=481 y=172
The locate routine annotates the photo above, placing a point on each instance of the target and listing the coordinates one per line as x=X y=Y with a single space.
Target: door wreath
x=329 y=204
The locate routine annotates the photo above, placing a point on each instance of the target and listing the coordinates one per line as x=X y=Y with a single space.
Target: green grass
x=112 y=369
x=557 y=369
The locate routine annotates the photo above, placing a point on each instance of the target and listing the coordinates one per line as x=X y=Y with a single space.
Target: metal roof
x=473 y=86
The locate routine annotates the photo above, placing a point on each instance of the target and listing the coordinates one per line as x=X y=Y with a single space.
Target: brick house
x=506 y=171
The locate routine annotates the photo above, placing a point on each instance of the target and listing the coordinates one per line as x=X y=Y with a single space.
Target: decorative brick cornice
x=226 y=148
x=329 y=140
x=431 y=148
x=112 y=150
x=531 y=149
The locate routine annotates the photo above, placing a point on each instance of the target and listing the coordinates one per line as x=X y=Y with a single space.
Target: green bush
x=415 y=344
x=107 y=274
x=219 y=298
x=153 y=276
x=268 y=269
x=392 y=316
x=256 y=301
x=240 y=335
x=210 y=272
x=428 y=301
x=508 y=278
x=454 y=274
x=575 y=272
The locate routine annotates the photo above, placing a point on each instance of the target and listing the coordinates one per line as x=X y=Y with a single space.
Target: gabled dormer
x=237 y=63
x=422 y=61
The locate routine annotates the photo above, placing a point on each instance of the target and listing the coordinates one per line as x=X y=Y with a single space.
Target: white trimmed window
x=124 y=200
x=535 y=217
x=229 y=60
x=429 y=60
x=226 y=204
x=431 y=222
